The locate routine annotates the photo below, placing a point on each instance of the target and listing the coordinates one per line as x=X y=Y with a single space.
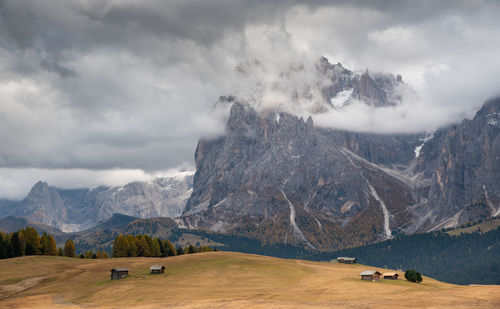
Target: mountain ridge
x=279 y=178
x=78 y=209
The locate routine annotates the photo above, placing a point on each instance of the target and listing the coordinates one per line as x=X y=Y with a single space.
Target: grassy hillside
x=467 y=255
x=219 y=279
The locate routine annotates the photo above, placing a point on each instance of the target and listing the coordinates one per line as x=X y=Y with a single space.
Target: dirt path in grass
x=9 y=290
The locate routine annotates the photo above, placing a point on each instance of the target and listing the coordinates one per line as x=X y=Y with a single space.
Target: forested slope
x=464 y=259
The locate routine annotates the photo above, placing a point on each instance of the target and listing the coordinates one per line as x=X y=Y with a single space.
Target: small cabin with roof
x=372 y=275
x=119 y=273
x=390 y=276
x=346 y=260
x=157 y=269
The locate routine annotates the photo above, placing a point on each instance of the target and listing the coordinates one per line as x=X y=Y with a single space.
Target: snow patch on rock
x=493 y=119
x=341 y=98
x=387 y=214
x=296 y=230
x=428 y=136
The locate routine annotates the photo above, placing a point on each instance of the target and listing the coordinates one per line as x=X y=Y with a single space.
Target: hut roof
x=390 y=274
x=369 y=273
x=119 y=269
x=157 y=267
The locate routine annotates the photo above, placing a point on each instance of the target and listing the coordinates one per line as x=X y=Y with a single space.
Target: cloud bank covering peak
x=92 y=86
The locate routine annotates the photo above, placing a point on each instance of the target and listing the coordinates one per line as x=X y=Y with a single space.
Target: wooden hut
x=371 y=275
x=157 y=269
x=346 y=260
x=119 y=273
x=391 y=276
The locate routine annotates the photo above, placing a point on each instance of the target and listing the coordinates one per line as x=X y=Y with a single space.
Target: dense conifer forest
x=26 y=241
x=470 y=258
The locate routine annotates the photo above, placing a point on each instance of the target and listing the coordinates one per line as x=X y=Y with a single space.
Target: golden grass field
x=220 y=280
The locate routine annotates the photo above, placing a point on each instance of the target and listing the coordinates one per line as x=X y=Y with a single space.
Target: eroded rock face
x=272 y=165
x=463 y=165
x=276 y=177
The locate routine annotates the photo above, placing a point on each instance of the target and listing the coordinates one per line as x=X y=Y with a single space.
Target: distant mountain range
x=80 y=209
x=281 y=180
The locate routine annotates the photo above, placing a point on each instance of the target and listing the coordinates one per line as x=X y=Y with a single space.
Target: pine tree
x=69 y=248
x=60 y=252
x=31 y=239
x=4 y=246
x=105 y=255
x=17 y=245
x=154 y=248
x=88 y=254
x=132 y=248
x=142 y=246
x=180 y=251
x=191 y=249
x=43 y=247
x=163 y=250
x=52 y=247
x=170 y=248
x=120 y=246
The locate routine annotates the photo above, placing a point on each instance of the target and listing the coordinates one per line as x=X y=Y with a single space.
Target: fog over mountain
x=108 y=92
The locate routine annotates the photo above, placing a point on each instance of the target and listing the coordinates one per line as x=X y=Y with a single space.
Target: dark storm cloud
x=129 y=85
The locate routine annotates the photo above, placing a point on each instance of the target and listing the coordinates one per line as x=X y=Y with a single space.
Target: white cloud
x=99 y=86
x=16 y=182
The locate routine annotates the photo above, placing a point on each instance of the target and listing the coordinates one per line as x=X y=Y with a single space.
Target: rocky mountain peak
x=224 y=102
x=39 y=186
x=241 y=117
x=491 y=106
x=41 y=192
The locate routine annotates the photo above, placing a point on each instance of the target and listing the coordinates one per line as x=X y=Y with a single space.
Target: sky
x=107 y=92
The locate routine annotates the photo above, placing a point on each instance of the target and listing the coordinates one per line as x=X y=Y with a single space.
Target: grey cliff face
x=462 y=163
x=278 y=171
x=276 y=177
x=163 y=197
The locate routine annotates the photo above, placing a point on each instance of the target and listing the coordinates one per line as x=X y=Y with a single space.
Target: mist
x=99 y=86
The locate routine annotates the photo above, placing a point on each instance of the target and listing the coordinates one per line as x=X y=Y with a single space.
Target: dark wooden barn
x=119 y=273
x=157 y=269
x=391 y=276
x=371 y=275
x=346 y=260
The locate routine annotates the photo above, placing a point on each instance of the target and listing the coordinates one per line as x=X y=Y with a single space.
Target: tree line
x=27 y=241
x=146 y=246
x=89 y=254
